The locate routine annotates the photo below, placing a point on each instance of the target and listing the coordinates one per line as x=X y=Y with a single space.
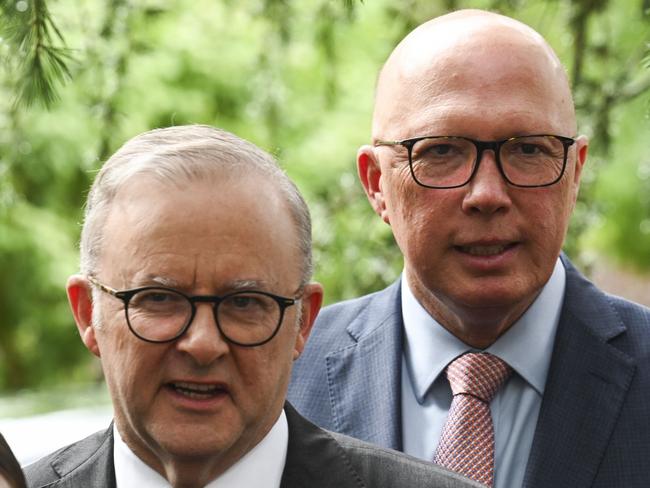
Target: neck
x=190 y=475
x=195 y=472
x=183 y=470
x=478 y=327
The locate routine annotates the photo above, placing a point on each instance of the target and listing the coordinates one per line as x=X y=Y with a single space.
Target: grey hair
x=188 y=153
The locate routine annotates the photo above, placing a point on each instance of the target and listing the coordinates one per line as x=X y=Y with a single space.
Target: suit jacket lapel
x=587 y=383
x=364 y=378
x=87 y=463
x=314 y=459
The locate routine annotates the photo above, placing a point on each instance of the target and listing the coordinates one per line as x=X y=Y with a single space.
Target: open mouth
x=488 y=250
x=197 y=391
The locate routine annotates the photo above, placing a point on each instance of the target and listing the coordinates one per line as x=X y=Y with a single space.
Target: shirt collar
x=527 y=346
x=261 y=467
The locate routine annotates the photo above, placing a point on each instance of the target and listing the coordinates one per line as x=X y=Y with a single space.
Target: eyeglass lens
x=450 y=161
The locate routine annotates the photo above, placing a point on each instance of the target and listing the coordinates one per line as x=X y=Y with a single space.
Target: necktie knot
x=477 y=374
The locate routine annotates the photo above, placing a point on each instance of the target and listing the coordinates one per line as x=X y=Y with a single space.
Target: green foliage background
x=296 y=78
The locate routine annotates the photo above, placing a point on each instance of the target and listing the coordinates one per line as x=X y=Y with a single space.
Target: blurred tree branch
x=115 y=27
x=40 y=62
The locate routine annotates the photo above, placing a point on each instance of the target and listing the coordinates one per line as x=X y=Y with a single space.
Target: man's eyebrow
x=237 y=285
x=227 y=286
x=160 y=280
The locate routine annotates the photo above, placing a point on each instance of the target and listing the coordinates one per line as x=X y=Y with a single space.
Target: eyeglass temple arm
x=381 y=142
x=102 y=287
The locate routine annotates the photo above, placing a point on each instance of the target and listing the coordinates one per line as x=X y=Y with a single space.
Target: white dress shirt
x=261 y=467
x=426 y=395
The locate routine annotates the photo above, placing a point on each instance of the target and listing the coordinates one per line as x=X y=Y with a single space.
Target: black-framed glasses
x=158 y=314
x=452 y=161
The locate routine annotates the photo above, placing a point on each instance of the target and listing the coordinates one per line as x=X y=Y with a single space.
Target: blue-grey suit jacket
x=315 y=459
x=594 y=423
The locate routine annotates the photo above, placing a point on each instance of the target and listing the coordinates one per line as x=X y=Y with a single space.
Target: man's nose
x=203 y=340
x=488 y=191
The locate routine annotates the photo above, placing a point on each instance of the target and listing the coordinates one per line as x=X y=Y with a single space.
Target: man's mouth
x=198 y=391
x=487 y=250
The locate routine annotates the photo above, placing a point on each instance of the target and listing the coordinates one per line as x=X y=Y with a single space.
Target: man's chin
x=193 y=438
x=191 y=446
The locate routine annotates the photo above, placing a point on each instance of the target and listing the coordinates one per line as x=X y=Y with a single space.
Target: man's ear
x=370 y=176
x=80 y=298
x=582 y=147
x=312 y=299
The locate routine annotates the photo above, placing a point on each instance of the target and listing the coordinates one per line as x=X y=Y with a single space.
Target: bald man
x=491 y=355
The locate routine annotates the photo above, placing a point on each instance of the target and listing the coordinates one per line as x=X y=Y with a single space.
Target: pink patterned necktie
x=467 y=442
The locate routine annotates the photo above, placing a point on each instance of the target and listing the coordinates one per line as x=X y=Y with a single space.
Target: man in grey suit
x=195 y=294
x=475 y=165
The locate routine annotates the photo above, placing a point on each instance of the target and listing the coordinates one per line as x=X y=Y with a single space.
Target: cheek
x=264 y=371
x=129 y=367
x=548 y=218
x=397 y=188
x=425 y=218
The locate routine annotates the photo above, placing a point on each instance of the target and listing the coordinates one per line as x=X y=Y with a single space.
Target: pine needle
x=42 y=65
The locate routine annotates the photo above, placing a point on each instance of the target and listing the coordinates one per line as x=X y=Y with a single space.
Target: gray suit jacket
x=315 y=459
x=594 y=423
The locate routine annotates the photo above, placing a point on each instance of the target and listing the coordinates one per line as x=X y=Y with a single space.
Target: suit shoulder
x=378 y=466
x=347 y=308
x=635 y=319
x=611 y=318
x=631 y=312
x=365 y=312
x=41 y=472
x=62 y=462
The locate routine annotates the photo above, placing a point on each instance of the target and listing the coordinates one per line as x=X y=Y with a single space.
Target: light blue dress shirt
x=426 y=395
